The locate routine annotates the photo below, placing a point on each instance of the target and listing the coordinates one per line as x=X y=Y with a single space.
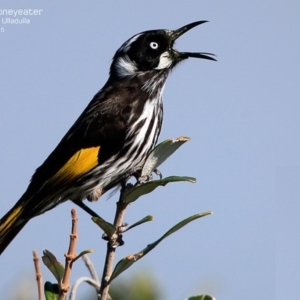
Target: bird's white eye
x=154 y=45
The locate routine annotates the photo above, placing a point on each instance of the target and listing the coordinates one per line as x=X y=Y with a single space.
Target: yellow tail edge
x=10 y=225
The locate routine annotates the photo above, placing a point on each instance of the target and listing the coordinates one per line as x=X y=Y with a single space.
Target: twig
x=38 y=273
x=80 y=280
x=94 y=282
x=64 y=285
x=91 y=268
x=112 y=244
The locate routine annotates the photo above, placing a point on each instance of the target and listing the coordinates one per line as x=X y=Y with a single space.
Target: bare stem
x=80 y=280
x=38 y=273
x=65 y=283
x=91 y=267
x=112 y=244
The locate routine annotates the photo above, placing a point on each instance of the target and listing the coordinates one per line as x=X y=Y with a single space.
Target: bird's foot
x=158 y=173
x=144 y=179
x=147 y=178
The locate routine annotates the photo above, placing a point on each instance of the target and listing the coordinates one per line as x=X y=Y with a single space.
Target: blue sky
x=242 y=114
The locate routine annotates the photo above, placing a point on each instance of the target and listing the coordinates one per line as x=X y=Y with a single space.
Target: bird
x=113 y=136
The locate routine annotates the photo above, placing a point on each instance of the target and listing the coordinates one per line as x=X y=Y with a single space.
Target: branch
x=113 y=243
x=38 y=273
x=64 y=285
x=78 y=282
x=91 y=268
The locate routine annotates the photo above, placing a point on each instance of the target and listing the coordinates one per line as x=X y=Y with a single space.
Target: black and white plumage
x=113 y=136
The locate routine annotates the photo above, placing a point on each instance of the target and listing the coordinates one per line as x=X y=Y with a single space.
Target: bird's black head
x=152 y=51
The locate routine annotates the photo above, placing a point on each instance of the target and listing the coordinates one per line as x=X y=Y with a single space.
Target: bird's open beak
x=175 y=34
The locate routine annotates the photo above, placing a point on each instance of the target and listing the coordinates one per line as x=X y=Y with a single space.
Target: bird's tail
x=11 y=224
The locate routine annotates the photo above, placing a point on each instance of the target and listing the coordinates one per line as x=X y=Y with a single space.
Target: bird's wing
x=97 y=134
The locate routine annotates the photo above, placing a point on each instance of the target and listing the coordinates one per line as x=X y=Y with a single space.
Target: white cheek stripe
x=125 y=67
x=165 y=61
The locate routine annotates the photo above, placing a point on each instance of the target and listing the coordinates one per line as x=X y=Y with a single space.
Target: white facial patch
x=165 y=61
x=126 y=67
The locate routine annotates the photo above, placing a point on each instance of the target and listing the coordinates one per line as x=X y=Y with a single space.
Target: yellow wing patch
x=11 y=219
x=80 y=163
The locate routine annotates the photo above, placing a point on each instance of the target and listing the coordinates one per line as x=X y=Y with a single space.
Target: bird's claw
x=149 y=177
x=145 y=178
x=158 y=173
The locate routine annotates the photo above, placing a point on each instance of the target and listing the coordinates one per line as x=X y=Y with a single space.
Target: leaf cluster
x=113 y=232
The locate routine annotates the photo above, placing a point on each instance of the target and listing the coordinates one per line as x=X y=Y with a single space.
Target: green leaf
x=107 y=227
x=148 y=187
x=56 y=268
x=160 y=153
x=202 y=297
x=174 y=229
x=83 y=253
x=124 y=264
x=128 y=261
x=51 y=291
x=144 y=220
